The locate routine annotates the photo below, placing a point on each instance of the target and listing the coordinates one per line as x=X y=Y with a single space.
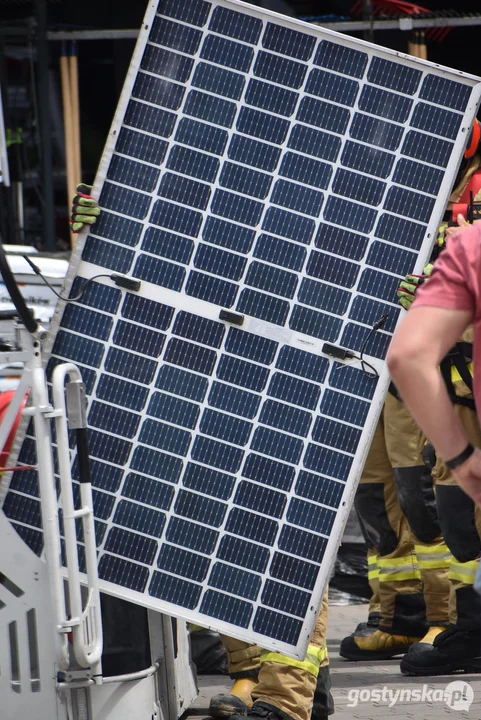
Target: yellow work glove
x=407 y=289
x=85 y=209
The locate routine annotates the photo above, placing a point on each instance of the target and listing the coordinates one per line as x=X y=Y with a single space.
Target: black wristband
x=459 y=459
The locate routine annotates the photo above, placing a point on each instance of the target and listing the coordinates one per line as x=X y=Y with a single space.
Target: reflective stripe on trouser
x=373 y=578
x=289 y=684
x=434 y=561
x=242 y=657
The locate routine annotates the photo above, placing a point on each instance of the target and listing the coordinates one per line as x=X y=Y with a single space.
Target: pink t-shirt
x=455 y=284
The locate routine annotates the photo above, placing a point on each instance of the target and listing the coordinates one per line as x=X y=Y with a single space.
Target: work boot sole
x=351 y=651
x=466 y=666
x=224 y=705
x=226 y=711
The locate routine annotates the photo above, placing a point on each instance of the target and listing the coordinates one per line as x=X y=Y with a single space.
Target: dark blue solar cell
x=148 y=491
x=293 y=571
x=252 y=152
x=23 y=509
x=264 y=307
x=273 y=280
x=261 y=499
x=437 y=121
x=343 y=407
x=339 y=89
x=190 y=356
x=418 y=176
x=221 y=51
x=350 y=215
x=245 y=180
x=168 y=245
x=352 y=380
x=96 y=295
x=157 y=464
x=289 y=225
x=284 y=417
x=196 y=537
x=320 y=489
x=211 y=289
x=292 y=390
x=243 y=553
x=175 y=590
x=307 y=544
x=263 y=126
x=229 y=609
x=456 y=93
x=305 y=170
x=273 y=624
x=296 y=197
x=176 y=218
x=340 y=241
x=106 y=417
x=31 y=537
x=141 y=146
x=332 y=463
x=271 y=98
x=368 y=311
x=149 y=118
x=208 y=482
x=122 y=572
x=238 y=25
x=381 y=285
x=120 y=229
x=340 y=58
x=194 y=12
x=287 y=41
x=133 y=337
x=182 y=383
x=131 y=545
x=159 y=272
x=164 y=437
x=314 y=323
x=216 y=454
x=124 y=201
x=219 y=262
x=332 y=269
x=194 y=327
x=250 y=346
x=280 y=70
x=226 y=234
x=410 y=204
x=160 y=61
x=190 y=162
x=278 y=445
x=376 y=132
x=324 y=297
x=218 y=81
x=392 y=259
x=323 y=115
x=233 y=400
x=182 y=562
x=354 y=337
x=336 y=435
x=174 y=410
x=302 y=363
x=211 y=109
x=314 y=142
x=358 y=187
x=224 y=427
x=280 y=252
x=269 y=472
x=394 y=75
x=199 y=508
x=385 y=104
x=87 y=322
x=243 y=373
x=254 y=527
x=158 y=91
x=312 y=517
x=107 y=255
x=199 y=135
x=140 y=518
x=147 y=312
x=178 y=37
x=369 y=160
x=78 y=349
x=184 y=191
x=237 y=207
x=430 y=149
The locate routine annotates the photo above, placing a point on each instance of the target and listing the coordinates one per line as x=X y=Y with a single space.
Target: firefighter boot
x=264 y=711
x=237 y=701
x=378 y=645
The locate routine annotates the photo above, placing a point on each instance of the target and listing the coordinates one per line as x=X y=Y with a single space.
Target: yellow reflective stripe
x=373 y=574
x=433 y=557
x=310 y=663
x=456 y=377
x=464 y=572
x=372 y=559
x=407 y=560
x=323 y=654
x=398 y=576
x=403 y=568
x=438 y=549
x=437 y=564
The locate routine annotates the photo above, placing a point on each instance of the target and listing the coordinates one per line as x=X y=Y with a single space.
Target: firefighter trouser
x=283 y=682
x=460 y=521
x=373 y=579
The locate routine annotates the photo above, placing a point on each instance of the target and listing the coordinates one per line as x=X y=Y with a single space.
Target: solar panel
x=268 y=182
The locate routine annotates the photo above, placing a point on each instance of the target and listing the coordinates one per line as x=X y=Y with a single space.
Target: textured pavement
x=351 y=681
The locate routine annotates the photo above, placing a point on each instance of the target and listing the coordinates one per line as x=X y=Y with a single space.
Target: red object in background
x=5 y=400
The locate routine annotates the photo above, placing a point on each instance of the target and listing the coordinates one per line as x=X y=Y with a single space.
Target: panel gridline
x=284 y=174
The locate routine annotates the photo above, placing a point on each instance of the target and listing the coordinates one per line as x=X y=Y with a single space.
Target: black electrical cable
x=38 y=272
x=364 y=364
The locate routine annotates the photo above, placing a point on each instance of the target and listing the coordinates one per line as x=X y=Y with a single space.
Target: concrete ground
x=353 y=682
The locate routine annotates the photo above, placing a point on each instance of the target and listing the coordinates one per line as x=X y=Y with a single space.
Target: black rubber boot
x=370 y=626
x=323 y=704
x=263 y=711
x=453 y=649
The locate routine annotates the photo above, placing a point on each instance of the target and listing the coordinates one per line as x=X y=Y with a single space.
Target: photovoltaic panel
x=291 y=176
